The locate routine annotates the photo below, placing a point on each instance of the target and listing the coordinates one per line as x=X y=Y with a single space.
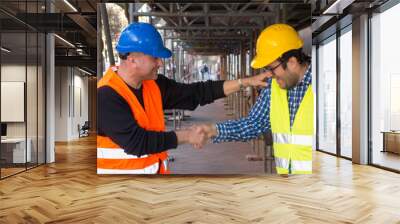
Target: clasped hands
x=197 y=135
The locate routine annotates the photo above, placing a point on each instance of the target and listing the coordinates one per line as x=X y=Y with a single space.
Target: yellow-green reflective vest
x=292 y=146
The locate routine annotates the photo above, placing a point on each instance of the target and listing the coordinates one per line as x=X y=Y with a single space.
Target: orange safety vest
x=111 y=158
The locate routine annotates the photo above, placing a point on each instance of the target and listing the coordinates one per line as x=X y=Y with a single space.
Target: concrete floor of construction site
x=222 y=158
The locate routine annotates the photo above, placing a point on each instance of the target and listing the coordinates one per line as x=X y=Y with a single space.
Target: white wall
x=80 y=100
x=71 y=94
x=61 y=103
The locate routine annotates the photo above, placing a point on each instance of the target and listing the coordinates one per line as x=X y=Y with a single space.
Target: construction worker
x=131 y=98
x=286 y=108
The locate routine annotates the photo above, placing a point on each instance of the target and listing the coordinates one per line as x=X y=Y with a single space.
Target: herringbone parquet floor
x=69 y=191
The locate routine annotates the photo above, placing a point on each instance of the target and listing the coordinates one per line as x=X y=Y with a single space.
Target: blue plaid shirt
x=257 y=122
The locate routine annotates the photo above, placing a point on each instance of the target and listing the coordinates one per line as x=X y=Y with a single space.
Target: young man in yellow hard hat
x=131 y=97
x=286 y=108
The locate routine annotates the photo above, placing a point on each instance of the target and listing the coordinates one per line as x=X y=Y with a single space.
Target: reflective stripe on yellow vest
x=292 y=146
x=111 y=158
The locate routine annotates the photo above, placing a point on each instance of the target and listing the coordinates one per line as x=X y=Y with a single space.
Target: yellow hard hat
x=274 y=41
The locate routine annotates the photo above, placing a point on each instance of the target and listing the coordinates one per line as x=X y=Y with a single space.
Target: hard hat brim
x=259 y=62
x=158 y=53
x=162 y=53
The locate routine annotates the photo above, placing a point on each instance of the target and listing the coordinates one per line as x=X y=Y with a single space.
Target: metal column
x=107 y=33
x=99 y=45
x=172 y=62
x=50 y=92
x=132 y=9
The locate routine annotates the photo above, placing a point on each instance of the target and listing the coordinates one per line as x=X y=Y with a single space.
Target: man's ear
x=292 y=62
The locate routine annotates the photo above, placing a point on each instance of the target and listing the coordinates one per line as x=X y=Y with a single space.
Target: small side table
x=391 y=141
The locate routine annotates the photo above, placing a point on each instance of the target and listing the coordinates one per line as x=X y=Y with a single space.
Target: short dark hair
x=301 y=57
x=123 y=56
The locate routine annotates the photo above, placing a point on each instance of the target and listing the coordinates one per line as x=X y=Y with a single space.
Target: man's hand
x=208 y=129
x=198 y=138
x=260 y=80
x=257 y=80
x=193 y=136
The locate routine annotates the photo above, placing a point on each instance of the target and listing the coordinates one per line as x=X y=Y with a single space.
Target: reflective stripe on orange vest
x=111 y=158
x=107 y=153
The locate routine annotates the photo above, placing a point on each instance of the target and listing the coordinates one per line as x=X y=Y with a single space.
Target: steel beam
x=208 y=28
x=84 y=24
x=85 y=61
x=208 y=38
x=201 y=14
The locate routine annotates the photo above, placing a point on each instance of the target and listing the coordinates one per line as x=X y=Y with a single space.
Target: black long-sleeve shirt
x=115 y=119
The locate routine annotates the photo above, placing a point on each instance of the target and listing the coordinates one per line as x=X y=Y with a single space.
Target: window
x=327 y=96
x=385 y=89
x=346 y=93
x=22 y=99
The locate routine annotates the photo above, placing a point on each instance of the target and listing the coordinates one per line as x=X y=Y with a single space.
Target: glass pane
x=13 y=86
x=23 y=87
x=385 y=89
x=327 y=96
x=31 y=98
x=346 y=94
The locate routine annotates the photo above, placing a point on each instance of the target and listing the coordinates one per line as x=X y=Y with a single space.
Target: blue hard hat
x=144 y=38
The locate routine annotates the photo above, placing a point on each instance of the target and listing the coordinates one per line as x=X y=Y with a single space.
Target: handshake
x=197 y=135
